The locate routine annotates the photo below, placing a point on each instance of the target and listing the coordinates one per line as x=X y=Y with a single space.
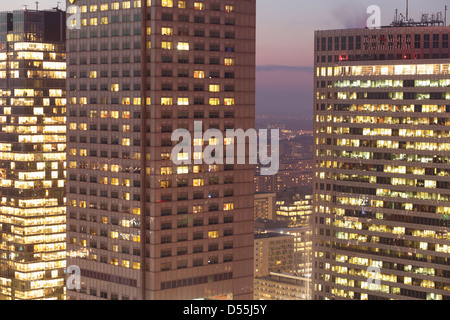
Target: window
x=183 y=46
x=214 y=88
x=199 y=74
x=166 y=45
x=183 y=101
x=166 y=101
x=167 y=3
x=199 y=6
x=166 y=31
x=214 y=101
x=229 y=62
x=229 y=101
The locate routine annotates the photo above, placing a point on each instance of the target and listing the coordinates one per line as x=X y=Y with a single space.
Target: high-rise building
x=141 y=227
x=382 y=154
x=32 y=154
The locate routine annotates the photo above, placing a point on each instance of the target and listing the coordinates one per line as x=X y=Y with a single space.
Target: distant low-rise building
x=280 y=286
x=274 y=252
x=265 y=205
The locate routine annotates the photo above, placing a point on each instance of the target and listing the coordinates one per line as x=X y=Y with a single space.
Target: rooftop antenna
x=59 y=2
x=37 y=5
x=25 y=7
x=445 y=17
x=407 y=10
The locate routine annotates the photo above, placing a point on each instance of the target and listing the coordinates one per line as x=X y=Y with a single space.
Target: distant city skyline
x=285 y=43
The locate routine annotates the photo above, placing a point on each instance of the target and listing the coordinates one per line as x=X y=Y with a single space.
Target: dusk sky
x=285 y=33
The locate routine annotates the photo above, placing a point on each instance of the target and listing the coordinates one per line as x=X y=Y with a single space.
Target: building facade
x=32 y=155
x=382 y=149
x=274 y=252
x=141 y=227
x=265 y=205
x=281 y=286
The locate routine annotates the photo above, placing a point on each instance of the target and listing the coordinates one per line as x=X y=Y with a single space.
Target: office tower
x=295 y=208
x=141 y=227
x=381 y=191
x=32 y=154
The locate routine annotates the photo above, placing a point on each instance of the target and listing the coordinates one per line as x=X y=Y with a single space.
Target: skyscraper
x=32 y=154
x=141 y=227
x=382 y=149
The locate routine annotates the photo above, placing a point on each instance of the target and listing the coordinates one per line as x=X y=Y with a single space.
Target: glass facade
x=32 y=156
x=382 y=149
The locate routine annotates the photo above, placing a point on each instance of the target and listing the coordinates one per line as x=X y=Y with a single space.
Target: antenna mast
x=407 y=10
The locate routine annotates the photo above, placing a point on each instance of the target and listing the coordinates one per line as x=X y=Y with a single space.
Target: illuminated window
x=166 y=31
x=229 y=102
x=229 y=62
x=167 y=3
x=115 y=6
x=213 y=234
x=166 y=170
x=199 y=74
x=93 y=21
x=166 y=101
x=199 y=6
x=198 y=142
x=229 y=9
x=214 y=101
x=126 y=5
x=93 y=8
x=183 y=101
x=183 y=156
x=137 y=3
x=183 y=46
x=228 y=206
x=198 y=183
x=104 y=7
x=104 y=20
x=214 y=88
x=166 y=45
x=182 y=4
x=182 y=170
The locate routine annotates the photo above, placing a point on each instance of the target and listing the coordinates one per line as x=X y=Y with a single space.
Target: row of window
x=165 y=101
x=126 y=128
x=164 y=58
x=390 y=56
x=340 y=43
x=165 y=31
x=181 y=4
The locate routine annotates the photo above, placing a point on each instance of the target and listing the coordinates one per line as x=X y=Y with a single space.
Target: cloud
x=350 y=14
x=279 y=68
